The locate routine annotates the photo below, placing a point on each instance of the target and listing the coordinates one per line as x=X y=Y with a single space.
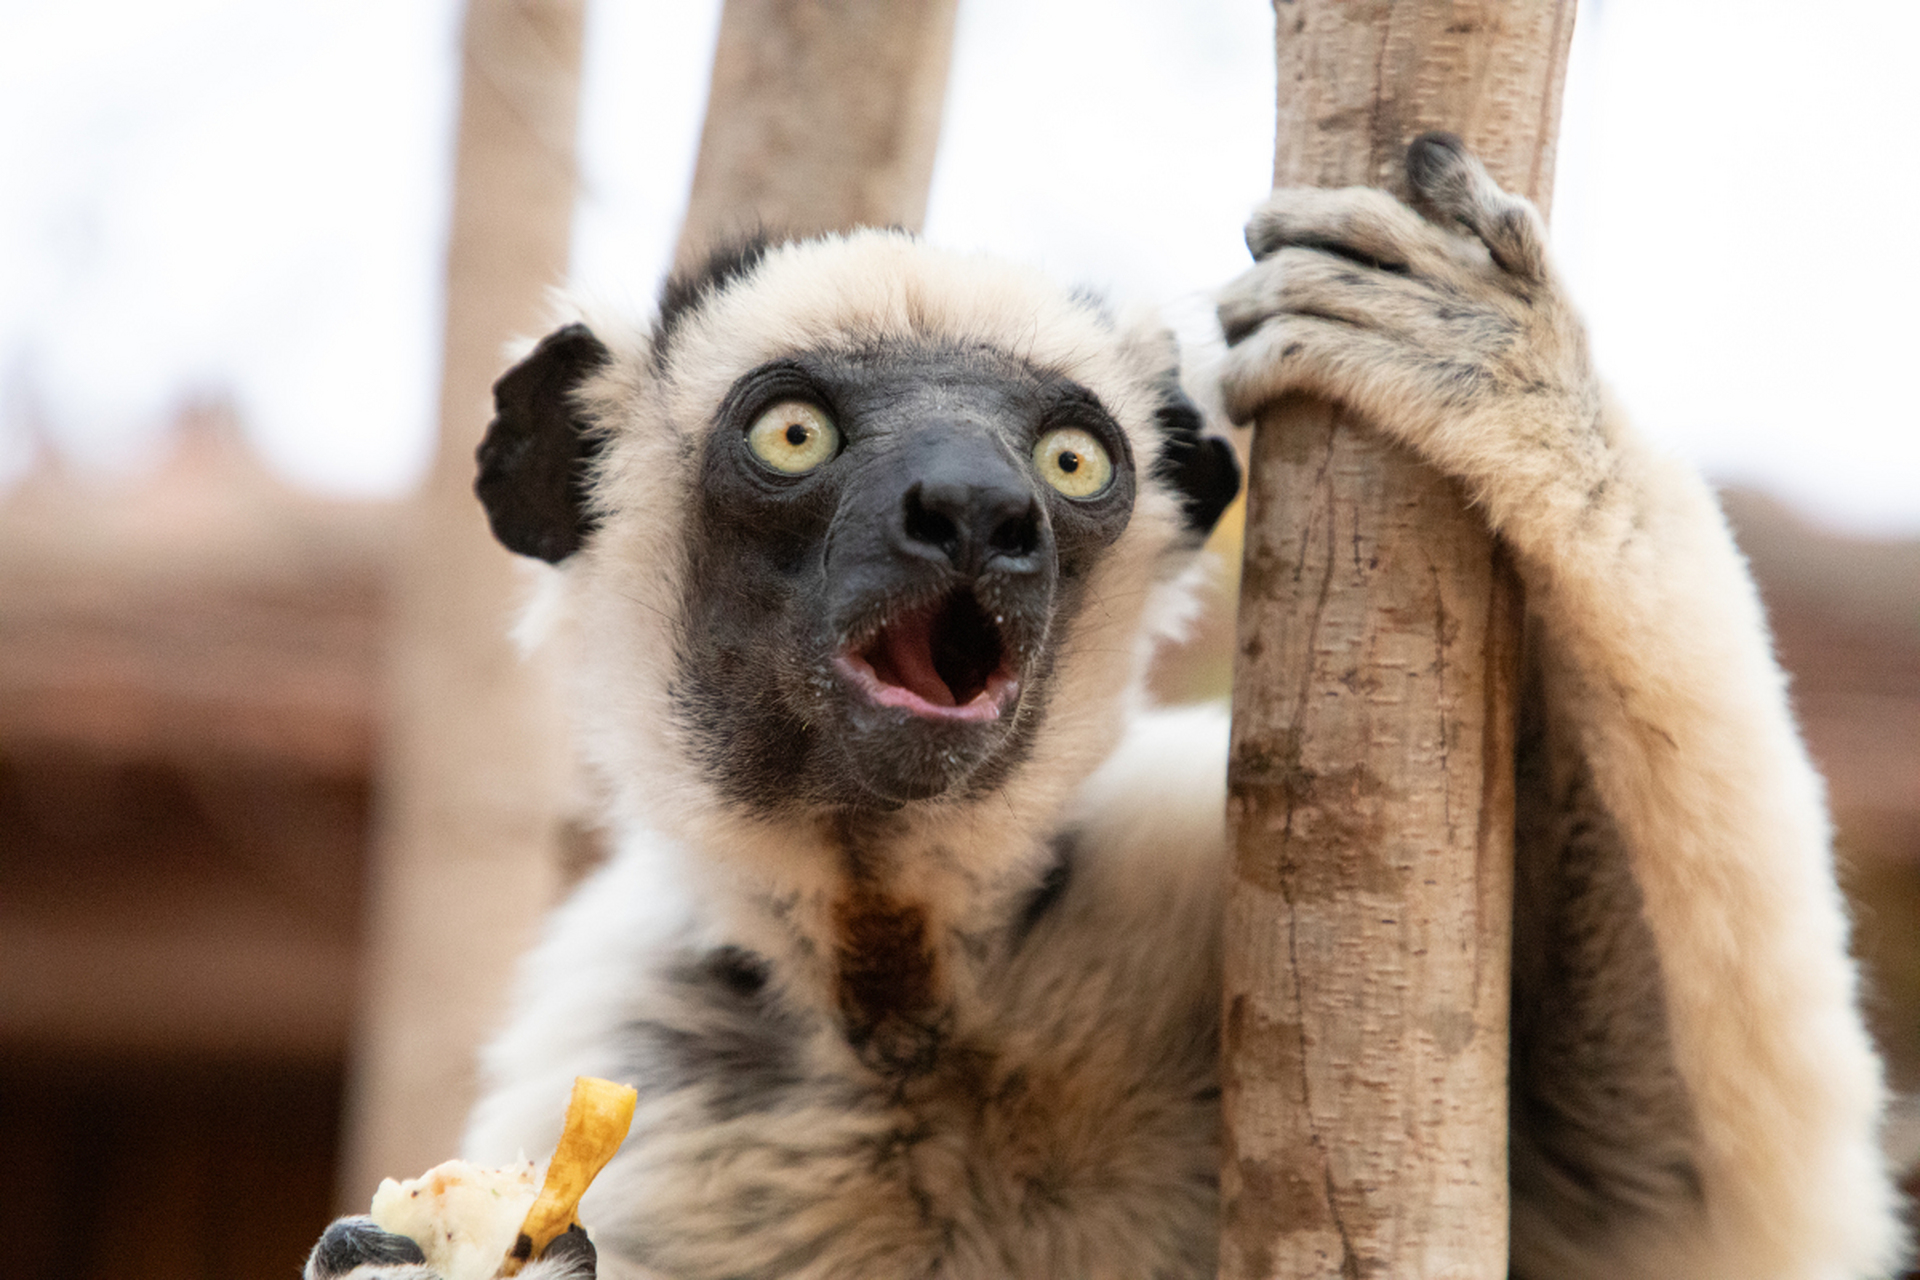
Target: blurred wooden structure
x=205 y=648
x=189 y=675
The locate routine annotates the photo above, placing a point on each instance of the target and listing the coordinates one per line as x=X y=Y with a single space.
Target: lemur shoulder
x=910 y=942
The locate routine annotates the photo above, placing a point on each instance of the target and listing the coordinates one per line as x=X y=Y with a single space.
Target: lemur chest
x=1031 y=1116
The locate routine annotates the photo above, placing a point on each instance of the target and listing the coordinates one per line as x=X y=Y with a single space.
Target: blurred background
x=229 y=233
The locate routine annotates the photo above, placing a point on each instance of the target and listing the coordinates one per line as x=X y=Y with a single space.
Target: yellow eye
x=793 y=437
x=1073 y=462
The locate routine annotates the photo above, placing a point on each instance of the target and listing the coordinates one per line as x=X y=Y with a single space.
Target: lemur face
x=870 y=492
x=885 y=546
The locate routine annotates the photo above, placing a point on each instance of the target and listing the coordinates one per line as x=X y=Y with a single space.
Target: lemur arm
x=1452 y=336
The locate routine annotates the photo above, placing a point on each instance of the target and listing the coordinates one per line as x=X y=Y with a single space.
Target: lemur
x=911 y=938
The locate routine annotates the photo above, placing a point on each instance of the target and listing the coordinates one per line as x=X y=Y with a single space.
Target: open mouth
x=945 y=661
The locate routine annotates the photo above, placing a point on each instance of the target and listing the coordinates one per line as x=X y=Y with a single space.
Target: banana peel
x=598 y=1116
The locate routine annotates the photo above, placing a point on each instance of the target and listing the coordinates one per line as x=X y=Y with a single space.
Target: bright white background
x=248 y=198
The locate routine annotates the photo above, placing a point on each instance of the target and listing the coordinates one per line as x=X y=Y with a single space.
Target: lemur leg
x=1451 y=334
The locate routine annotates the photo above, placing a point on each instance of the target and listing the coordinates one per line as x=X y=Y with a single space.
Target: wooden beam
x=476 y=768
x=1371 y=776
x=821 y=117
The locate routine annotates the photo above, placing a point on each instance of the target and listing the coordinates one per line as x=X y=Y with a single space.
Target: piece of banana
x=476 y=1223
x=598 y=1116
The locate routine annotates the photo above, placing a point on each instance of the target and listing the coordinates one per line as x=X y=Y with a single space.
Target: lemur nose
x=974 y=523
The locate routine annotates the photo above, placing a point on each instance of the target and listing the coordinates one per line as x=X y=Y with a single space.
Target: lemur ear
x=1200 y=468
x=535 y=458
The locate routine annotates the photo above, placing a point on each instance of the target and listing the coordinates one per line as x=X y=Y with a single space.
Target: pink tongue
x=907 y=644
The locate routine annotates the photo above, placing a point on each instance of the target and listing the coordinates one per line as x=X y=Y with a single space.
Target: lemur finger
x=1362 y=224
x=1308 y=355
x=1313 y=282
x=355 y=1247
x=1453 y=186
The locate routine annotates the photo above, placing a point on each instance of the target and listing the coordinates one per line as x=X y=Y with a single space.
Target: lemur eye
x=1073 y=462
x=793 y=437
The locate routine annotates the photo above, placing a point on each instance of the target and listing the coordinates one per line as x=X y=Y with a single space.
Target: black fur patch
x=356 y=1242
x=1053 y=887
x=1200 y=468
x=888 y=982
x=1602 y=1132
x=535 y=460
x=739 y=971
x=685 y=290
x=991 y=776
x=736 y=1041
x=1347 y=253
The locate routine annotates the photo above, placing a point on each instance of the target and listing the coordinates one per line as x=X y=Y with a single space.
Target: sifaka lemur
x=910 y=940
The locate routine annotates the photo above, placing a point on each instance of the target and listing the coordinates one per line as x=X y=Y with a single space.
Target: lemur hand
x=1447 y=332
x=354 y=1249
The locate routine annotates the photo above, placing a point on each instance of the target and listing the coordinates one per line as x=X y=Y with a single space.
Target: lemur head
x=859 y=525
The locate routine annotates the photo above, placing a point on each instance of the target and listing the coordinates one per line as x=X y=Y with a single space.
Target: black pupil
x=1069 y=461
x=797 y=434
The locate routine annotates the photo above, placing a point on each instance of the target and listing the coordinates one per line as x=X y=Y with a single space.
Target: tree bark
x=1371 y=777
x=476 y=768
x=823 y=115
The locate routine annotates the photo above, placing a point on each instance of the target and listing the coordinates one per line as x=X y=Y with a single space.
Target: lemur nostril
x=1017 y=535
x=924 y=524
x=972 y=522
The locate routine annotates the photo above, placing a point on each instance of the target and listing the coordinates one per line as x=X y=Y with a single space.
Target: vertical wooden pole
x=475 y=771
x=821 y=117
x=1371 y=775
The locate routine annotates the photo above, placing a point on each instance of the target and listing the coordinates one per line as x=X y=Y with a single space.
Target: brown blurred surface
x=1846 y=621
x=156 y=1168
x=187 y=716
x=188 y=668
x=205 y=613
x=151 y=906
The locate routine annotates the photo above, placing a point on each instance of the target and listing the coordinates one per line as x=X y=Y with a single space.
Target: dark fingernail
x=1430 y=154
